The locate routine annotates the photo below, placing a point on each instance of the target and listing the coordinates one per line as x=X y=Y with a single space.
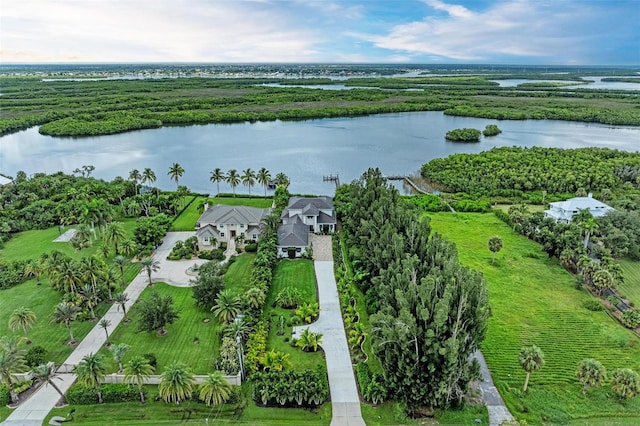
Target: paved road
x=498 y=411
x=345 y=401
x=34 y=410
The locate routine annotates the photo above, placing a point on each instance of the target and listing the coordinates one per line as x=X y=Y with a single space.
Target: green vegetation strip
x=535 y=301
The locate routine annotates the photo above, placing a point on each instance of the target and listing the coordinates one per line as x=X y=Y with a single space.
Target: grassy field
x=298 y=274
x=631 y=286
x=190 y=340
x=535 y=301
x=188 y=218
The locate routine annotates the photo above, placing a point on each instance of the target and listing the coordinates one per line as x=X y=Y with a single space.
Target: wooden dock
x=332 y=178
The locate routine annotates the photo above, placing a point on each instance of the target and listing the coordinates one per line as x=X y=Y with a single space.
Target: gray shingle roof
x=323 y=203
x=219 y=213
x=293 y=235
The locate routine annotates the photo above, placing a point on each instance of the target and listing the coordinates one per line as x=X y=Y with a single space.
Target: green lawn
x=301 y=275
x=238 y=277
x=535 y=301
x=188 y=218
x=189 y=339
x=630 y=289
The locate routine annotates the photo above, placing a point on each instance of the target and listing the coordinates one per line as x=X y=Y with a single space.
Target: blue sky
x=572 y=32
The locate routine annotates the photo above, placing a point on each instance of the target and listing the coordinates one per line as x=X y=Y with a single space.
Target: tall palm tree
x=148 y=175
x=92 y=270
x=11 y=362
x=248 y=178
x=121 y=299
x=227 y=306
x=136 y=371
x=114 y=234
x=65 y=274
x=65 y=313
x=591 y=373
x=150 y=265
x=135 y=176
x=23 y=318
x=282 y=179
x=90 y=371
x=46 y=373
x=233 y=179
x=120 y=261
x=175 y=172
x=217 y=176
x=105 y=324
x=215 y=390
x=531 y=359
x=91 y=297
x=34 y=268
x=264 y=177
x=119 y=351
x=176 y=383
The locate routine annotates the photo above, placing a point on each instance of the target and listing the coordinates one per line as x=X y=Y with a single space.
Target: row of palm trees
x=177 y=382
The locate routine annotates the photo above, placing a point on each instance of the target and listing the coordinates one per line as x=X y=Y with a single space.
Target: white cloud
x=518 y=28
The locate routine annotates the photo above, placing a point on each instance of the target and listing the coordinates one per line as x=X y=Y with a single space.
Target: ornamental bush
x=631 y=318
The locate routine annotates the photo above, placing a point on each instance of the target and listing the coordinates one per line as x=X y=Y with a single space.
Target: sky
x=544 y=32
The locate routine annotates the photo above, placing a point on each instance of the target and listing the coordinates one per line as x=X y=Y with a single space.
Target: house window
x=284 y=249
x=221 y=226
x=254 y=236
x=310 y=217
x=206 y=239
x=242 y=225
x=298 y=250
x=222 y=234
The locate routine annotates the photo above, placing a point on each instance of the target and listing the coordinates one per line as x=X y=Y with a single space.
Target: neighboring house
x=223 y=223
x=302 y=216
x=563 y=211
x=4 y=180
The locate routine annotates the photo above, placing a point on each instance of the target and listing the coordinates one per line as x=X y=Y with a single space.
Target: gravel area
x=321 y=247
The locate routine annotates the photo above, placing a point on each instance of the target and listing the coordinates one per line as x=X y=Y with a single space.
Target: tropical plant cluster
x=463 y=135
x=428 y=312
x=512 y=171
x=64 y=108
x=111 y=392
x=459 y=202
x=309 y=388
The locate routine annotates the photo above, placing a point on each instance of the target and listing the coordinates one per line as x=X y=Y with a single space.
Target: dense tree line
x=77 y=108
x=428 y=312
x=509 y=171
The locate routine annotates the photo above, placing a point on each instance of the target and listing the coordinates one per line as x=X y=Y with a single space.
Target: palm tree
x=254 y=298
x=625 y=383
x=227 y=306
x=137 y=370
x=237 y=329
x=23 y=318
x=129 y=247
x=233 y=179
x=90 y=371
x=531 y=359
x=589 y=226
x=495 y=245
x=217 y=176
x=264 y=177
x=11 y=362
x=282 y=179
x=119 y=351
x=105 y=324
x=136 y=177
x=248 y=178
x=46 y=373
x=215 y=390
x=176 y=383
x=114 y=234
x=34 y=268
x=120 y=262
x=148 y=176
x=150 y=265
x=591 y=373
x=121 y=299
x=65 y=313
x=176 y=171
x=309 y=341
x=91 y=298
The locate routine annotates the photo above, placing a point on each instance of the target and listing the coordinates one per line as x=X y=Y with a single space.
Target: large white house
x=302 y=216
x=563 y=211
x=224 y=223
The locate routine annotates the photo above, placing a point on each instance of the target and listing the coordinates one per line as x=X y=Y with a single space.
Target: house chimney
x=206 y=206
x=590 y=195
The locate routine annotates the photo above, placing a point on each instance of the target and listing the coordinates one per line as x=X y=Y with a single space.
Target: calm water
x=304 y=150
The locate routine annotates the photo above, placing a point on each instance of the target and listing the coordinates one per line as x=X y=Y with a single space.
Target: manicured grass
x=535 y=301
x=189 y=340
x=238 y=277
x=301 y=275
x=630 y=288
x=31 y=244
x=188 y=218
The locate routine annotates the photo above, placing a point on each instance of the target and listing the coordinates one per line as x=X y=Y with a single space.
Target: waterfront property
x=220 y=223
x=563 y=211
x=302 y=216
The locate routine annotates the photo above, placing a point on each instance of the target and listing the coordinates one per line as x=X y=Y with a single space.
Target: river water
x=304 y=150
